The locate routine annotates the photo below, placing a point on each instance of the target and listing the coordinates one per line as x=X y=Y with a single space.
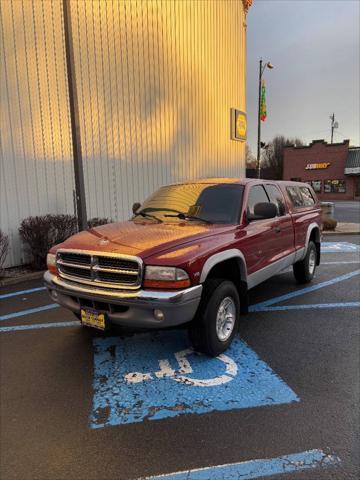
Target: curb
x=21 y=278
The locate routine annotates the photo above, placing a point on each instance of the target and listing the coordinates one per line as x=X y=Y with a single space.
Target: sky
x=314 y=47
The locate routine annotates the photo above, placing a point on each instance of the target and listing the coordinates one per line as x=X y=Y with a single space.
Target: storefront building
x=333 y=170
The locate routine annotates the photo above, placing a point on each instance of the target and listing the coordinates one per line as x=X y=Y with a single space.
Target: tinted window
x=218 y=203
x=295 y=196
x=307 y=196
x=257 y=194
x=277 y=198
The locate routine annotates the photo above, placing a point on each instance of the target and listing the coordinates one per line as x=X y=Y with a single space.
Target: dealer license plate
x=92 y=318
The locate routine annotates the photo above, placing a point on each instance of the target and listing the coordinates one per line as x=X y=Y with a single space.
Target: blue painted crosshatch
x=156 y=375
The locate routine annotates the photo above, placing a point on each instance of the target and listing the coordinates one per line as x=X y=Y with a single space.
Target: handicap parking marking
x=29 y=311
x=339 y=247
x=156 y=375
x=259 y=468
x=37 y=326
x=21 y=292
x=265 y=306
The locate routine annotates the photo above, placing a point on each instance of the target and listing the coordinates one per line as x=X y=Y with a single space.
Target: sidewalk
x=344 y=229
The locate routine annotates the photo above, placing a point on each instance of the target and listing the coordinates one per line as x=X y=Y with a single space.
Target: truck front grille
x=102 y=270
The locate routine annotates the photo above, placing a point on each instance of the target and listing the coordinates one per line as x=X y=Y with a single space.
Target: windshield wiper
x=184 y=216
x=143 y=213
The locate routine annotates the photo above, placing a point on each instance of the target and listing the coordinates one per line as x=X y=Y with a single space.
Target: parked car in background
x=189 y=254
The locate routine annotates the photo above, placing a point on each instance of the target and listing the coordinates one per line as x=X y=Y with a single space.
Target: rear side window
x=295 y=196
x=307 y=196
x=257 y=195
x=277 y=198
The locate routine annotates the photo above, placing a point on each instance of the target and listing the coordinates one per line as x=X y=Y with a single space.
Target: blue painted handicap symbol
x=156 y=375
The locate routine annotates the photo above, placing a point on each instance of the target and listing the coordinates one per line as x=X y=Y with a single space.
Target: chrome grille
x=121 y=263
x=78 y=258
x=75 y=271
x=102 y=270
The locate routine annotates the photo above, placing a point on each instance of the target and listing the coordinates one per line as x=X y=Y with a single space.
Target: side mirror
x=136 y=207
x=263 y=211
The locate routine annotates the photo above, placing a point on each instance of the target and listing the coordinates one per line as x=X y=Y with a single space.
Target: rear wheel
x=304 y=270
x=217 y=319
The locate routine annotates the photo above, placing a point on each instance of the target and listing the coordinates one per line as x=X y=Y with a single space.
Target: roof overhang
x=352 y=171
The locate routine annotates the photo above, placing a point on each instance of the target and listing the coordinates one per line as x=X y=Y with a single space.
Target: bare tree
x=4 y=246
x=250 y=160
x=273 y=158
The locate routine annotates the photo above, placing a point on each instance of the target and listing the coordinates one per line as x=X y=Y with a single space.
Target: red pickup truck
x=189 y=254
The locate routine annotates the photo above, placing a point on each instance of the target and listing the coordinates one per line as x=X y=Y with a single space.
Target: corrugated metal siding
x=36 y=165
x=156 y=81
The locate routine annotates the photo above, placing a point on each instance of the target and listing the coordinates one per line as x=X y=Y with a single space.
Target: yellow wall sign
x=317 y=166
x=238 y=125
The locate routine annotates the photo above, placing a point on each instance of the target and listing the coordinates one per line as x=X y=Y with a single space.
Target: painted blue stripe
x=279 y=308
x=339 y=247
x=297 y=293
x=341 y=263
x=10 y=316
x=251 y=469
x=35 y=326
x=21 y=292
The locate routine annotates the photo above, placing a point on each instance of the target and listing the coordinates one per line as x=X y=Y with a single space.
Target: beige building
x=156 y=83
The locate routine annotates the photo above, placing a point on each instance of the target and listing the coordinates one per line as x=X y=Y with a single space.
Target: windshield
x=215 y=203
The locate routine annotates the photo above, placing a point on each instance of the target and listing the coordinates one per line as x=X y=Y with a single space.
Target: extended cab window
x=277 y=198
x=295 y=196
x=307 y=196
x=216 y=203
x=257 y=194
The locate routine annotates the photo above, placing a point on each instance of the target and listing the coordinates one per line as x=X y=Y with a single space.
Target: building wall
x=156 y=81
x=296 y=159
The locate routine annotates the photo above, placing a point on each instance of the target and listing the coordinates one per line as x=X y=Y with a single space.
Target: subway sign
x=317 y=166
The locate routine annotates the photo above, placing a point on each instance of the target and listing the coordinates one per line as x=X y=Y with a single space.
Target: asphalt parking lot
x=347 y=211
x=282 y=403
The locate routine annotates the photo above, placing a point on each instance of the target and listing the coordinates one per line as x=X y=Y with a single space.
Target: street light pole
x=261 y=71
x=74 y=119
x=258 y=167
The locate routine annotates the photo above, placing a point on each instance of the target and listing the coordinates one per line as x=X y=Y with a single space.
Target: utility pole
x=333 y=126
x=74 y=118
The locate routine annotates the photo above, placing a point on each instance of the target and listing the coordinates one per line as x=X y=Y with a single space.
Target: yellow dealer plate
x=92 y=318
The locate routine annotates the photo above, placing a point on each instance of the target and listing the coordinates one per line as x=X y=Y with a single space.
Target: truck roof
x=239 y=180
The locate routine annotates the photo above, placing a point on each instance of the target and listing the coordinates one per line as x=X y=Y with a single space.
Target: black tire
x=304 y=270
x=202 y=330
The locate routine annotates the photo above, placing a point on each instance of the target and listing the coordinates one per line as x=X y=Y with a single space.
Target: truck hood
x=141 y=238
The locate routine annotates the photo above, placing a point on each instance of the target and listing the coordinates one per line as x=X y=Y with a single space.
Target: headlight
x=166 y=277
x=51 y=262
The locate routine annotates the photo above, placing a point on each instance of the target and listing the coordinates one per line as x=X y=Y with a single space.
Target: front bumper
x=129 y=308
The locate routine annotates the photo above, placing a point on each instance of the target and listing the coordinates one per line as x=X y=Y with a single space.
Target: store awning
x=352 y=165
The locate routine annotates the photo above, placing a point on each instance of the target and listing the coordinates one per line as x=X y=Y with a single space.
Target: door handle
x=277 y=229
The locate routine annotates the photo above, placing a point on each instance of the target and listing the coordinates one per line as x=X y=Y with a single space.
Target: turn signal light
x=166 y=285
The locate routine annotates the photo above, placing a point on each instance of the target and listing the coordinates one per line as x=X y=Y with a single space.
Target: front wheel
x=217 y=319
x=304 y=270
